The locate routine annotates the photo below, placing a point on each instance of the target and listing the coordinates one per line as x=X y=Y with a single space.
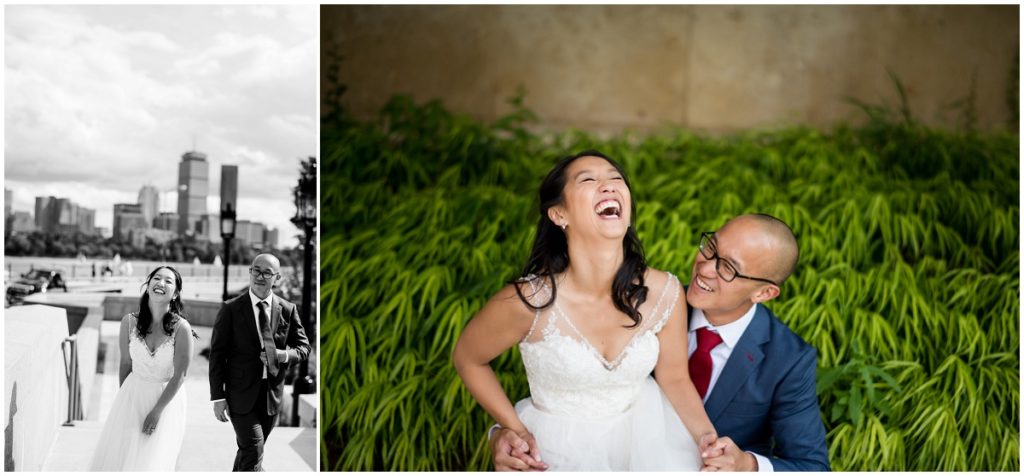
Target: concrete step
x=209 y=444
x=206 y=448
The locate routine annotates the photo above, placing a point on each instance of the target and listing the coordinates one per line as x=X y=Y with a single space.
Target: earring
x=564 y=225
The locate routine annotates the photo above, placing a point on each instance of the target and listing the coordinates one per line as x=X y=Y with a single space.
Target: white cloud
x=101 y=100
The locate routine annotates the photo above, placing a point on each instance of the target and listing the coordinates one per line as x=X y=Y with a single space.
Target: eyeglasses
x=265 y=274
x=725 y=269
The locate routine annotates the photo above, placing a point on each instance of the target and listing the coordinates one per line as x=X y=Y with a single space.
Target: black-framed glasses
x=265 y=274
x=725 y=269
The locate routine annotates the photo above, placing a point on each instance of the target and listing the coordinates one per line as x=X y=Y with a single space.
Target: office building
x=229 y=187
x=193 y=186
x=127 y=217
x=166 y=221
x=149 y=198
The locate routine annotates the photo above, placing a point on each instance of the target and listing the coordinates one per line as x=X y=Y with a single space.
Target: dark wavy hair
x=550 y=251
x=170 y=319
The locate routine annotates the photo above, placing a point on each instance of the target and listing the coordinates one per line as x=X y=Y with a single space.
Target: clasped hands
x=722 y=454
x=519 y=452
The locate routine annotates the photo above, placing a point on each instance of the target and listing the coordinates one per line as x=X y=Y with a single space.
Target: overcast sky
x=101 y=100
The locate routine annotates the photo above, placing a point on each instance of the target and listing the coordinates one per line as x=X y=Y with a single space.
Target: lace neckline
x=152 y=352
x=614 y=363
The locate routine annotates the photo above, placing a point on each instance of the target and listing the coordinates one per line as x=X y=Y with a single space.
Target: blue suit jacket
x=765 y=398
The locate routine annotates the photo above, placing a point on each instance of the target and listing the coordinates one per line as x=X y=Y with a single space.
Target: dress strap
x=661 y=296
x=536 y=312
x=133 y=324
x=673 y=283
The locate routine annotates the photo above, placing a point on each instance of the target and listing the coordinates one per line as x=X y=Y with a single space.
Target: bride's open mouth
x=609 y=209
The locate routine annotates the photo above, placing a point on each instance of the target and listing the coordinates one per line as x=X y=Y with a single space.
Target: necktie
x=269 y=355
x=700 y=361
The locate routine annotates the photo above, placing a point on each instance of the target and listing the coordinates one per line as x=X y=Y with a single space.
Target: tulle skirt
x=647 y=437
x=123 y=446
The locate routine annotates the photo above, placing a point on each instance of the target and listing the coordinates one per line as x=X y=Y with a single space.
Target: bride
x=592 y=322
x=146 y=426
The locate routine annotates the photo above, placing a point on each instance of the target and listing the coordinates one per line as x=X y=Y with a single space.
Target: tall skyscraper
x=209 y=228
x=127 y=217
x=43 y=214
x=149 y=198
x=86 y=221
x=167 y=221
x=8 y=196
x=270 y=237
x=193 y=185
x=66 y=213
x=229 y=187
x=250 y=233
x=61 y=215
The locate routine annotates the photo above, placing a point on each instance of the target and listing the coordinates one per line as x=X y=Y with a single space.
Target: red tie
x=700 y=361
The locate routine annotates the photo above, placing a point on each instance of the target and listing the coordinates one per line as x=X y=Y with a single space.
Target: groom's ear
x=766 y=293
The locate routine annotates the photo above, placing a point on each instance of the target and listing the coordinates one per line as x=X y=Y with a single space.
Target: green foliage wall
x=907 y=285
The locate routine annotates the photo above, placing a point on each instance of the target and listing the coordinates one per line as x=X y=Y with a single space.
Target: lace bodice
x=567 y=375
x=156 y=365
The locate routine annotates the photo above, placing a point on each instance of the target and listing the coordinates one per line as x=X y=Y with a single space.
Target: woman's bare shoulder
x=183 y=325
x=508 y=301
x=655 y=278
x=128 y=319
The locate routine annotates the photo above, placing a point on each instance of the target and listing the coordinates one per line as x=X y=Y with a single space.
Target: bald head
x=264 y=273
x=267 y=260
x=774 y=235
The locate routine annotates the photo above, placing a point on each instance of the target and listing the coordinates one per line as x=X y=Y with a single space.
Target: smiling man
x=757 y=377
x=255 y=337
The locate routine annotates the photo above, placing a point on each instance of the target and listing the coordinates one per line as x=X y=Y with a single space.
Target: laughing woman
x=592 y=321
x=146 y=426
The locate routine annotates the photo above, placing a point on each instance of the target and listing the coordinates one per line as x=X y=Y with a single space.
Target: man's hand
x=282 y=355
x=220 y=410
x=726 y=456
x=515 y=452
x=706 y=446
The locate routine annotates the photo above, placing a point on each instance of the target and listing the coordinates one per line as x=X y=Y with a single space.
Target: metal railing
x=70 y=350
x=75 y=270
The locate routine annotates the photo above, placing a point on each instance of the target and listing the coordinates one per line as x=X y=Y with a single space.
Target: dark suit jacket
x=235 y=366
x=765 y=398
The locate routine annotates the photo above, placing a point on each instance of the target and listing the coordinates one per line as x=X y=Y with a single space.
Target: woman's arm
x=125 y=366
x=673 y=374
x=502 y=323
x=182 y=359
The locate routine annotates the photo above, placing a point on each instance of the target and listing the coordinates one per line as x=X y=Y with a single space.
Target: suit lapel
x=250 y=317
x=744 y=359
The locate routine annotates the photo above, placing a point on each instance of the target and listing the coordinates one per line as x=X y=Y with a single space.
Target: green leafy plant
x=907 y=285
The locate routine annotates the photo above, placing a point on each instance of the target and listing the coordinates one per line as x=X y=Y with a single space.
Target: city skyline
x=110 y=97
x=60 y=215
x=149 y=200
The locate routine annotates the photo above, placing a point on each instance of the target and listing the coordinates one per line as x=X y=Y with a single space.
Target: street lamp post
x=305 y=218
x=227 y=232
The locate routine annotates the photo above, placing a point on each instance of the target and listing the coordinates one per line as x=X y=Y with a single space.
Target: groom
x=255 y=337
x=757 y=377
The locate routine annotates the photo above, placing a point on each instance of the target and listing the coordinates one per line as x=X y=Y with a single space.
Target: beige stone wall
x=712 y=68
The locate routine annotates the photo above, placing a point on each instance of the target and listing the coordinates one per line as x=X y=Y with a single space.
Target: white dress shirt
x=730 y=334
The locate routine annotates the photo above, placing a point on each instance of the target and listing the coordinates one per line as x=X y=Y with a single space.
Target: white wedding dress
x=122 y=446
x=589 y=414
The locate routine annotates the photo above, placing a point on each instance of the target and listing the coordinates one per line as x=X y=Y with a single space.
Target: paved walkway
x=209 y=444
